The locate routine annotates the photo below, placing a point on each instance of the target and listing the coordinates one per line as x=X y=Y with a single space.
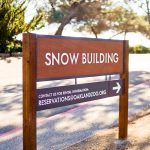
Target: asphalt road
x=61 y=127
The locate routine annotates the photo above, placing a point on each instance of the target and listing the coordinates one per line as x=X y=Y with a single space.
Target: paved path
x=58 y=131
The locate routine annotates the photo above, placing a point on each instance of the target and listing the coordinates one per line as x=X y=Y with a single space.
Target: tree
x=109 y=16
x=144 y=5
x=92 y=19
x=123 y=20
x=144 y=26
x=83 y=12
x=12 y=23
x=95 y=16
x=93 y=26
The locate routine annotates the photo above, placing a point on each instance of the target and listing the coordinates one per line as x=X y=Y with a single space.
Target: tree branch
x=116 y=34
x=72 y=13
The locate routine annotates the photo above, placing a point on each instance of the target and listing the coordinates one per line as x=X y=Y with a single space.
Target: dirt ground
x=138 y=136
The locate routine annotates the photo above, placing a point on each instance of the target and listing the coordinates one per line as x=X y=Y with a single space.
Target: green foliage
x=139 y=49
x=57 y=16
x=12 y=23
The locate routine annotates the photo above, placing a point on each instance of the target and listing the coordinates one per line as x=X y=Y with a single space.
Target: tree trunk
x=72 y=13
x=95 y=33
x=148 y=10
x=60 y=29
x=125 y=33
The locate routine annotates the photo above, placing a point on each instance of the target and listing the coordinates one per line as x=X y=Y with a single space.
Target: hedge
x=139 y=49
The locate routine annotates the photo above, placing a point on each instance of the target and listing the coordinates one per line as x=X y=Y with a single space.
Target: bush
x=12 y=23
x=15 y=46
x=139 y=49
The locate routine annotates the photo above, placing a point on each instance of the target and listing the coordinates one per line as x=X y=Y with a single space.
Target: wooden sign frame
x=87 y=57
x=123 y=99
x=29 y=92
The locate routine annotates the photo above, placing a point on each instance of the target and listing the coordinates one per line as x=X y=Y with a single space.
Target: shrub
x=139 y=49
x=12 y=23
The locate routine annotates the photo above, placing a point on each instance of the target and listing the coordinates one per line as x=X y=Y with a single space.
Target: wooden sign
x=76 y=57
x=57 y=57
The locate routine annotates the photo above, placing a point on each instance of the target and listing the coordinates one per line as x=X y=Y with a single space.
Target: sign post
x=29 y=92
x=54 y=57
x=123 y=100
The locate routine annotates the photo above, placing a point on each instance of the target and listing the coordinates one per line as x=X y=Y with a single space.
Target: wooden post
x=76 y=81
x=29 y=91
x=123 y=101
